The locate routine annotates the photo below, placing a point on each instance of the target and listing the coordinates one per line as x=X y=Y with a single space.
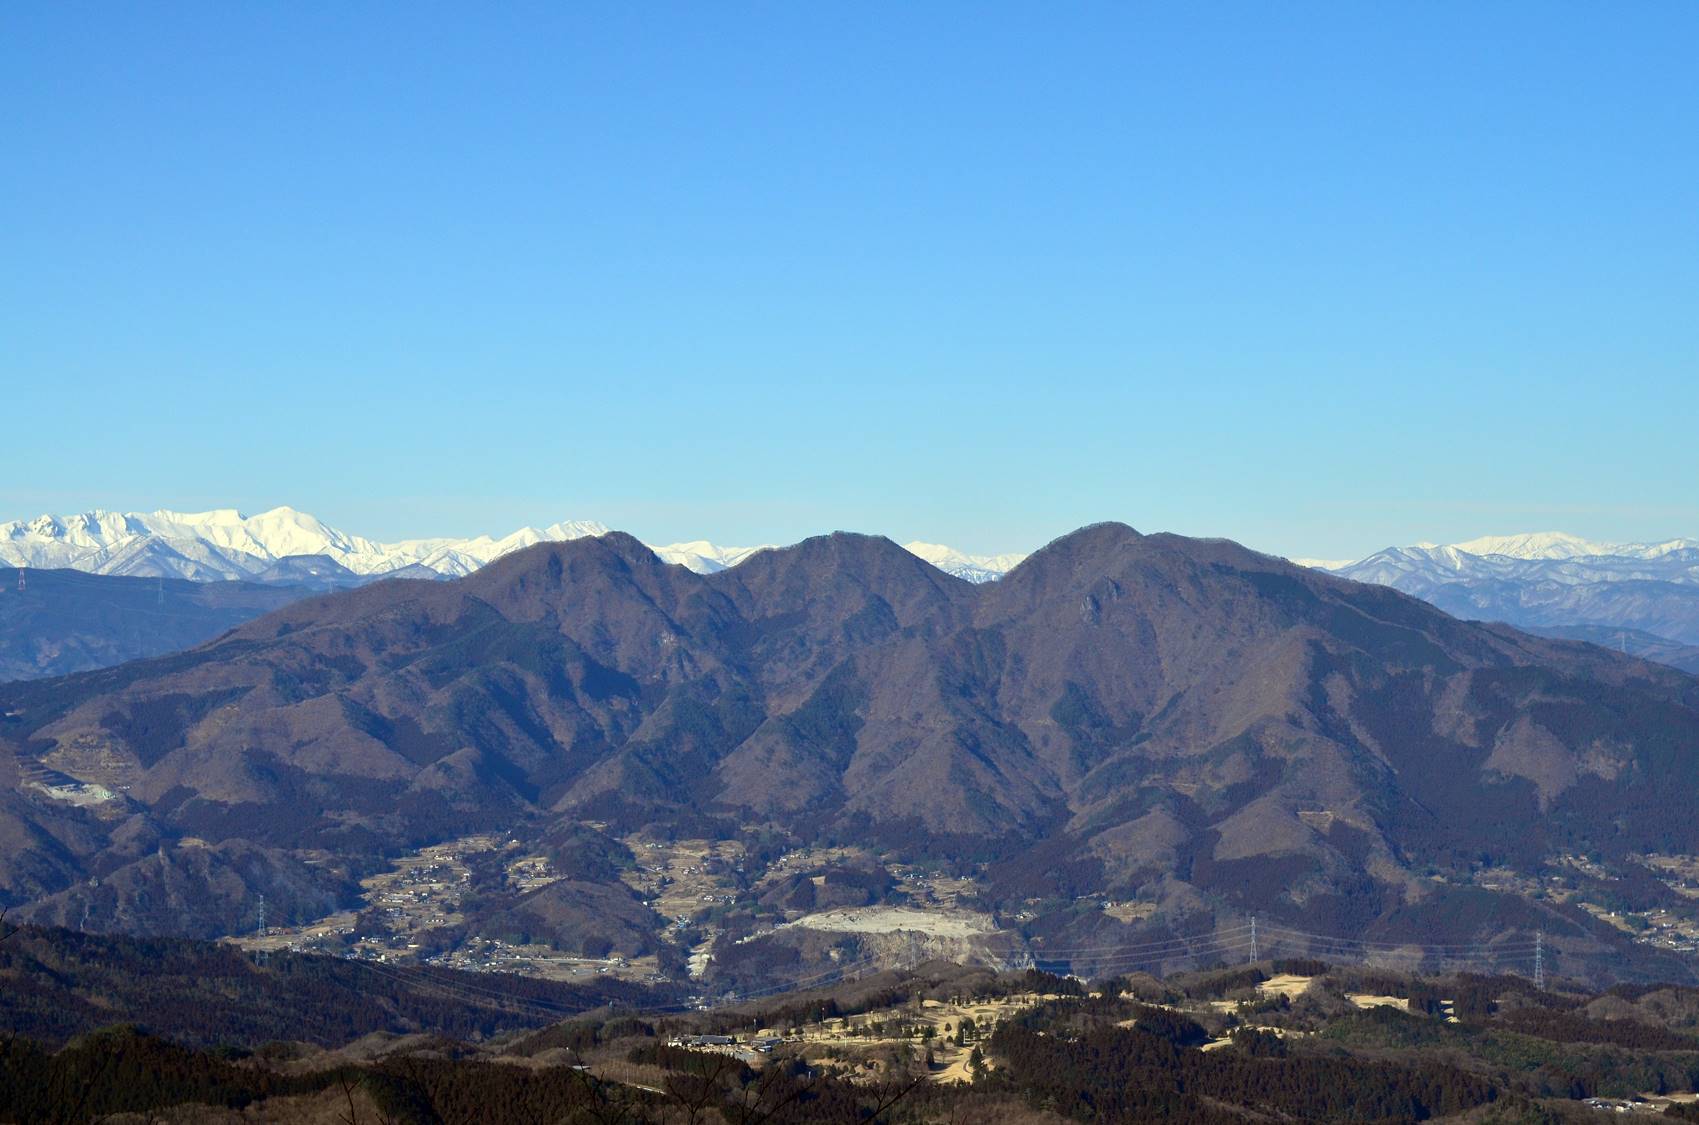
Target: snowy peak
x=1558 y=545
x=1324 y=564
x=704 y=557
x=1536 y=545
x=974 y=568
x=1556 y=551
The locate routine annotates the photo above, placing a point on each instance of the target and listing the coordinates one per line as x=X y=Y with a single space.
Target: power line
x=1226 y=931
x=1382 y=945
x=1266 y=936
x=1121 y=964
x=1245 y=938
x=1256 y=941
x=1241 y=941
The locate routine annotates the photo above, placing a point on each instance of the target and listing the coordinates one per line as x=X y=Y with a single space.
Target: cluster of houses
x=729 y=1044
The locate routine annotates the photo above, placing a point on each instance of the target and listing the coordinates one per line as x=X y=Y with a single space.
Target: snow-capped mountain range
x=288 y=546
x=1548 y=580
x=1535 y=580
x=1561 y=545
x=1550 y=555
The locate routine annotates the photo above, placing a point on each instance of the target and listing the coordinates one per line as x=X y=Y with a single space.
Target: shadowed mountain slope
x=1633 y=642
x=64 y=621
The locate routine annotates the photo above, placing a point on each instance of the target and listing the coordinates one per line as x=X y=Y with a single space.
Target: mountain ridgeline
x=1176 y=722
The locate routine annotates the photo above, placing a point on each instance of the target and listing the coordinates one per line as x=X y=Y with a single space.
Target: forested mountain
x=1184 y=725
x=62 y=984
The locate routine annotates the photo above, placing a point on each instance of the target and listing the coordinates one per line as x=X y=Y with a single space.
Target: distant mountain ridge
x=64 y=621
x=1562 y=545
x=225 y=545
x=1632 y=642
x=1548 y=580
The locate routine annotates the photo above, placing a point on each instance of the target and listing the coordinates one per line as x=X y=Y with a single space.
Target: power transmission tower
x=20 y=578
x=1254 y=937
x=1539 y=960
x=262 y=929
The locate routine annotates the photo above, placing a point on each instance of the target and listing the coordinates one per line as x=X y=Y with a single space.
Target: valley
x=711 y=897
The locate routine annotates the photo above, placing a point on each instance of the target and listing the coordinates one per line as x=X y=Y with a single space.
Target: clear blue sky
x=1316 y=277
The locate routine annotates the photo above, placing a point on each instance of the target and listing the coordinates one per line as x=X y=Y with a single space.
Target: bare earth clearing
x=894 y=919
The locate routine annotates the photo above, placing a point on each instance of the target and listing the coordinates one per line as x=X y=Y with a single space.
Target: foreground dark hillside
x=59 y=984
x=1183 y=725
x=1293 y=1039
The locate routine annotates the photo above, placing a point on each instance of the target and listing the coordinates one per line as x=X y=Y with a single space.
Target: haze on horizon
x=1318 y=279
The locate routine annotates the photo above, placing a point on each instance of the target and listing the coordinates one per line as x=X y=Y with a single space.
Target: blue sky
x=1316 y=277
